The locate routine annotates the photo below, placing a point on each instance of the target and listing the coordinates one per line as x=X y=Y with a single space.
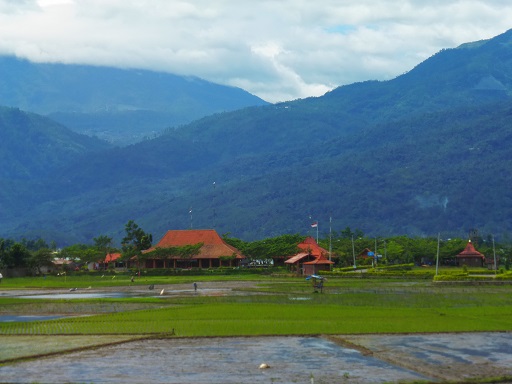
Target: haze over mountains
x=424 y=153
x=122 y=106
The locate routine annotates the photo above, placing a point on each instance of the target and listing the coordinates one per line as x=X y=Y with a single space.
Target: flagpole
x=375 y=255
x=315 y=225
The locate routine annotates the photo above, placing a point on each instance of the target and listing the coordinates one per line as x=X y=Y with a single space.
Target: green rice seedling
x=288 y=307
x=273 y=319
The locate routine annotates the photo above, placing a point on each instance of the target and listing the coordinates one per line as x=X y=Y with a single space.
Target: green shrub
x=504 y=276
x=403 y=271
x=402 y=267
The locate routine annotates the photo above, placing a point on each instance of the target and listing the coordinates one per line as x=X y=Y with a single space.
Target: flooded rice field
x=212 y=360
x=83 y=294
x=25 y=318
x=356 y=359
x=340 y=359
x=447 y=357
x=168 y=290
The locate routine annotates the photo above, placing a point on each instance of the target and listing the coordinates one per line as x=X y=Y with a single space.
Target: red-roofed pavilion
x=311 y=260
x=214 y=252
x=470 y=256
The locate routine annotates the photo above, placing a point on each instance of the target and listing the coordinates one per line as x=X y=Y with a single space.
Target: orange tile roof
x=112 y=257
x=296 y=258
x=213 y=245
x=320 y=260
x=310 y=245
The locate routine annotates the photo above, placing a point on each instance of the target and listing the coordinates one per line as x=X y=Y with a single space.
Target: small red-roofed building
x=296 y=262
x=470 y=257
x=314 y=267
x=214 y=252
x=366 y=253
x=113 y=260
x=112 y=257
x=311 y=258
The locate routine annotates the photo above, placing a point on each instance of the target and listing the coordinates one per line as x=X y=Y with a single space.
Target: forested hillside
x=424 y=153
x=121 y=105
x=32 y=146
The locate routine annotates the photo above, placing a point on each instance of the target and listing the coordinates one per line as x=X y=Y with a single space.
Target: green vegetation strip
x=287 y=315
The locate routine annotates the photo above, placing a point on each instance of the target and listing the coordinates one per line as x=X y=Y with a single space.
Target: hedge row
x=379 y=274
x=474 y=277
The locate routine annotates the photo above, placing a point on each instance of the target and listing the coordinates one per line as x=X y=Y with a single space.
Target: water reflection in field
x=83 y=294
x=25 y=318
x=70 y=296
x=212 y=360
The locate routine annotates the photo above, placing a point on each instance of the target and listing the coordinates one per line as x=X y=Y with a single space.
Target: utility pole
x=437 y=258
x=330 y=237
x=214 y=214
x=354 y=252
x=494 y=252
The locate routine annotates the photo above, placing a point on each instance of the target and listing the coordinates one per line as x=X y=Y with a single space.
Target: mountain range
x=426 y=152
x=122 y=106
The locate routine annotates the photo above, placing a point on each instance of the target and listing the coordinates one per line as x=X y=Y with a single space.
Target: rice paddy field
x=250 y=306
x=267 y=307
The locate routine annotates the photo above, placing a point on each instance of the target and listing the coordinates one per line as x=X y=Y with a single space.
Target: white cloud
x=279 y=50
x=52 y=3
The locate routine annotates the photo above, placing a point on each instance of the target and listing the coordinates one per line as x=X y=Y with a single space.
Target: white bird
x=264 y=366
x=161 y=292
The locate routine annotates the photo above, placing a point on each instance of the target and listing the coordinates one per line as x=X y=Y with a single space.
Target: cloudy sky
x=277 y=49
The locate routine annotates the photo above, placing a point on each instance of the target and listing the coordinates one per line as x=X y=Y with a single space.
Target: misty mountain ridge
x=120 y=105
x=424 y=153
